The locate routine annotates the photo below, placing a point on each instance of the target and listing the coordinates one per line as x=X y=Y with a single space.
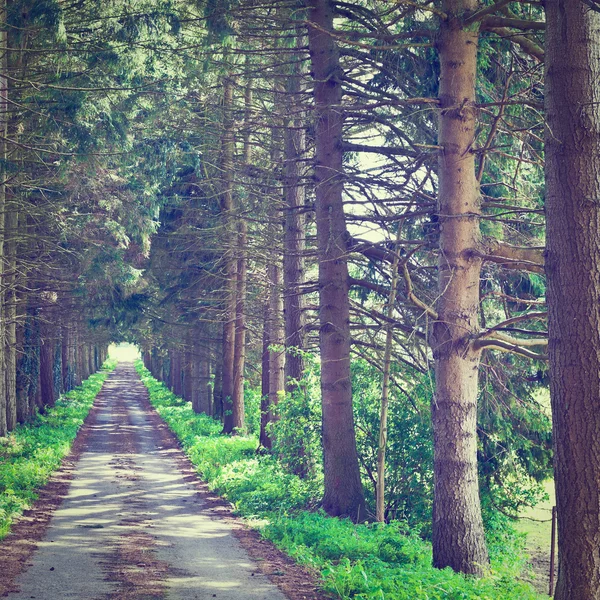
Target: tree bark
x=230 y=263
x=12 y=229
x=188 y=382
x=204 y=391
x=265 y=440
x=385 y=389
x=293 y=242
x=344 y=494
x=3 y=154
x=276 y=350
x=176 y=374
x=573 y=268
x=239 y=360
x=218 y=388
x=47 y=367
x=458 y=536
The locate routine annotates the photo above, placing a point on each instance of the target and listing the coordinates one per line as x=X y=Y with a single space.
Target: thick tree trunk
x=458 y=537
x=230 y=263
x=573 y=269
x=343 y=486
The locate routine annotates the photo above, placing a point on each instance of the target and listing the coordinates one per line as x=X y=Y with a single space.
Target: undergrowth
x=366 y=561
x=33 y=451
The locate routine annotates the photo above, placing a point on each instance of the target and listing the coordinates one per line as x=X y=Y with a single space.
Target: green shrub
x=32 y=452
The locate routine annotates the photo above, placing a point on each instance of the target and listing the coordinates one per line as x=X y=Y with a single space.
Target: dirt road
x=132 y=525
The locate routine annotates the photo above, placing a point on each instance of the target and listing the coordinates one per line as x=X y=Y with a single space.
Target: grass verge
x=32 y=452
x=367 y=561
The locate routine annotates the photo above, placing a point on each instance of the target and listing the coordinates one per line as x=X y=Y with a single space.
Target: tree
x=573 y=270
x=343 y=487
x=458 y=538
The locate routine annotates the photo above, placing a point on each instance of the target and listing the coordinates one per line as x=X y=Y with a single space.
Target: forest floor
x=126 y=518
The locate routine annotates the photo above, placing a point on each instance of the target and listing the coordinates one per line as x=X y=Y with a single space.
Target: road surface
x=132 y=526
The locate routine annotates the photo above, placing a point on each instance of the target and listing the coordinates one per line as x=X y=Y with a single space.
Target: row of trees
x=355 y=180
x=342 y=98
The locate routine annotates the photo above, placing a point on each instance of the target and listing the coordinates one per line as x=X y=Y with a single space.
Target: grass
x=32 y=452
x=366 y=561
x=536 y=522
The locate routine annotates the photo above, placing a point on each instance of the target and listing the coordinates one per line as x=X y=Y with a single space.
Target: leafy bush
x=409 y=454
x=367 y=561
x=32 y=452
x=297 y=432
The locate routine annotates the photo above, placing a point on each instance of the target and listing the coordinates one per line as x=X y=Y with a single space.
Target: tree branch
x=513 y=257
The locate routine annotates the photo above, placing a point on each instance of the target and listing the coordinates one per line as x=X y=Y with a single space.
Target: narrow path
x=132 y=526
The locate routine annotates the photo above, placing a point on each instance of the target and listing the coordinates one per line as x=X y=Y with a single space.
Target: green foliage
x=32 y=452
x=297 y=433
x=252 y=409
x=409 y=456
x=375 y=561
x=367 y=561
x=515 y=443
x=514 y=450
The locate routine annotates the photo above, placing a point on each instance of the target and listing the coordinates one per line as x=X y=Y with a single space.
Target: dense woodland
x=365 y=231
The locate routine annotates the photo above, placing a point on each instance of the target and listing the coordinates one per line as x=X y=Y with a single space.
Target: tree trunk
x=47 y=367
x=573 y=270
x=458 y=537
x=74 y=354
x=293 y=246
x=276 y=350
x=385 y=387
x=239 y=360
x=343 y=486
x=293 y=256
x=65 y=339
x=91 y=363
x=204 y=400
x=188 y=382
x=264 y=436
x=3 y=135
x=230 y=263
x=85 y=373
x=176 y=367
x=12 y=230
x=218 y=389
